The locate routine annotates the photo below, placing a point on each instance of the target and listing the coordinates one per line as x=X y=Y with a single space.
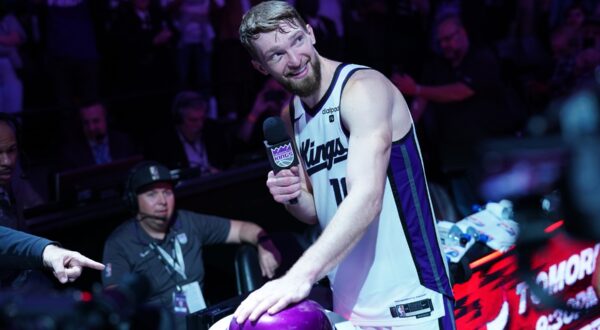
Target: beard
x=306 y=86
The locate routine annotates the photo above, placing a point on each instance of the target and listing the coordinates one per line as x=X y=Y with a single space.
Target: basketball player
x=361 y=176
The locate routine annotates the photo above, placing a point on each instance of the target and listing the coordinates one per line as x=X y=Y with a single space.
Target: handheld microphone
x=280 y=149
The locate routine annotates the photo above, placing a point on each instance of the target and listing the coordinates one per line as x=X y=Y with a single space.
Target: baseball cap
x=147 y=173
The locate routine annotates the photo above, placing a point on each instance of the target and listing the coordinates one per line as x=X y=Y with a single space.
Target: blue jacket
x=19 y=250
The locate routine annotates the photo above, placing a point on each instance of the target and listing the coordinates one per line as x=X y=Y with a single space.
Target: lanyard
x=177 y=265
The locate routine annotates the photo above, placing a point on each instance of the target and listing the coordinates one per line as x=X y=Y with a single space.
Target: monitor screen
x=93 y=183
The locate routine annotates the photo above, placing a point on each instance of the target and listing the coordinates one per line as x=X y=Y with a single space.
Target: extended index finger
x=87 y=262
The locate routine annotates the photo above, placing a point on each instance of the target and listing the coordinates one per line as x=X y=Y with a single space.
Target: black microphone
x=280 y=149
x=143 y=216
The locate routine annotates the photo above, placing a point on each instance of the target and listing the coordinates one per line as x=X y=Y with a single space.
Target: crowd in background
x=170 y=78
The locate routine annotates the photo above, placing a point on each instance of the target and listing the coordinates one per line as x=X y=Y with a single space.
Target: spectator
x=330 y=44
x=72 y=51
x=193 y=141
x=235 y=83
x=166 y=244
x=11 y=88
x=96 y=144
x=16 y=245
x=271 y=99
x=194 y=46
x=463 y=86
x=144 y=40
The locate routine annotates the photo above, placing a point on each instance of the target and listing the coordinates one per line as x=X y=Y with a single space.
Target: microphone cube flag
x=281 y=155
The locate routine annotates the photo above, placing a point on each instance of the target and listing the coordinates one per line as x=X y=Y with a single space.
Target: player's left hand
x=273 y=297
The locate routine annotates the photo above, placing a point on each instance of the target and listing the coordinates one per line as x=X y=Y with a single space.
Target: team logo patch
x=154 y=172
x=283 y=156
x=182 y=238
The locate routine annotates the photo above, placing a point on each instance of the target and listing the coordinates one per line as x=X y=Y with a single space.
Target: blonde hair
x=265 y=17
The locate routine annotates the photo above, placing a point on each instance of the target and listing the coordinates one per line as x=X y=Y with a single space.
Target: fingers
x=264 y=267
x=268 y=259
x=258 y=302
x=283 y=178
x=284 y=185
x=59 y=270
x=263 y=271
x=269 y=268
x=262 y=307
x=280 y=305
x=272 y=298
x=295 y=170
x=284 y=188
x=243 y=311
x=87 y=262
x=73 y=273
x=285 y=198
x=67 y=265
x=272 y=265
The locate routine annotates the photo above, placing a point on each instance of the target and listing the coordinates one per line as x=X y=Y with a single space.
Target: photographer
x=269 y=102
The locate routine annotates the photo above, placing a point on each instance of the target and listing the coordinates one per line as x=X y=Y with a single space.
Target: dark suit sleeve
x=19 y=250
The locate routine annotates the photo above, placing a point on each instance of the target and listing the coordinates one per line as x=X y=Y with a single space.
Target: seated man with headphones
x=95 y=142
x=165 y=244
x=193 y=141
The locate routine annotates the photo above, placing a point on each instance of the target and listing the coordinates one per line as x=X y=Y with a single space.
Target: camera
x=118 y=307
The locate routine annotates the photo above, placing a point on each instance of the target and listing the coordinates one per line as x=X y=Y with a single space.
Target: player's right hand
x=285 y=185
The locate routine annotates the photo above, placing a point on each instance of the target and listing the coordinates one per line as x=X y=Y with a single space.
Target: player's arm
x=366 y=110
x=367 y=105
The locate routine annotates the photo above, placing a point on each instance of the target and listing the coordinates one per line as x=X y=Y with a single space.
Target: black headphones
x=136 y=179
x=184 y=100
x=129 y=196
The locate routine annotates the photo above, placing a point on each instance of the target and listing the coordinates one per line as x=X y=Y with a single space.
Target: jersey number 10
x=339 y=189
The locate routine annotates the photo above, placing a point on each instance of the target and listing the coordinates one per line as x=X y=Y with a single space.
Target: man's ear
x=311 y=34
x=259 y=67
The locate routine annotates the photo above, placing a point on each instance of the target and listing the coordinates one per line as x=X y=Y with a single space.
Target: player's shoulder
x=368 y=83
x=366 y=79
x=366 y=73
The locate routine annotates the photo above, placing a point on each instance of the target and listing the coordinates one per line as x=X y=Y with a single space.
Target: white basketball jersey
x=396 y=274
